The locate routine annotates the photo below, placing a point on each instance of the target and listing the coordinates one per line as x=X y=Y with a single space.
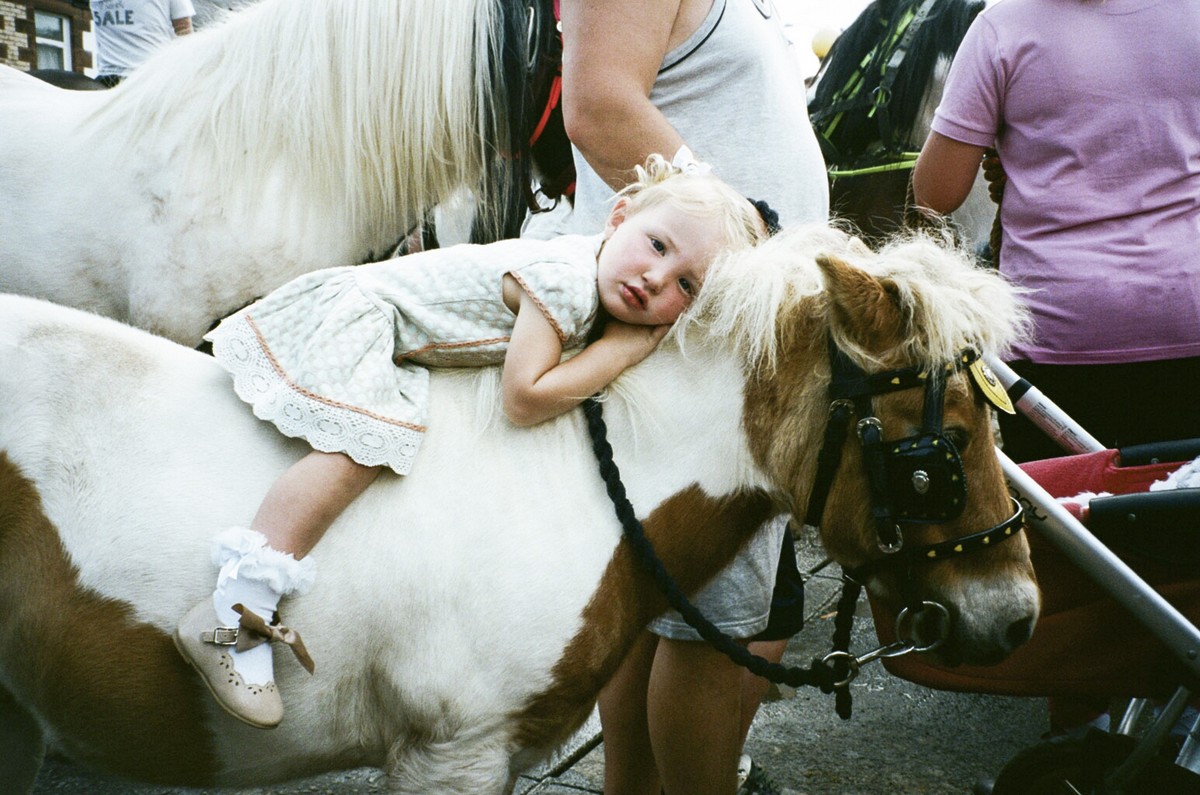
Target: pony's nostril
x=1019 y=632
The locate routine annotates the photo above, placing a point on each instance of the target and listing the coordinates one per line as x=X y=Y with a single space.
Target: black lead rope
x=828 y=678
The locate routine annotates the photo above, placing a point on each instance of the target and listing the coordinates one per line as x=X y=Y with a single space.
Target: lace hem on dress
x=327 y=426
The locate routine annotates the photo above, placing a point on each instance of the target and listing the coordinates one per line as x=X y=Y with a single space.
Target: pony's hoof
x=257 y=705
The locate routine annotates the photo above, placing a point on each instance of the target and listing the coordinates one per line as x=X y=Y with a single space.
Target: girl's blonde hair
x=697 y=193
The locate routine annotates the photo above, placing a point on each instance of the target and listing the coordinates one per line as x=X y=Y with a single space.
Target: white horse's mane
x=946 y=297
x=358 y=102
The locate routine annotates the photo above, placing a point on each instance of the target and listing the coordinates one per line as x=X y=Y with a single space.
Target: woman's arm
x=537 y=386
x=612 y=50
x=944 y=173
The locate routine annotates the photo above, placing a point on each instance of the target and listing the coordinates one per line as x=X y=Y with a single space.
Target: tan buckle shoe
x=205 y=642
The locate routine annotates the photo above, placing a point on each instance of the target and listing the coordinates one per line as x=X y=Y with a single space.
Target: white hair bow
x=686 y=162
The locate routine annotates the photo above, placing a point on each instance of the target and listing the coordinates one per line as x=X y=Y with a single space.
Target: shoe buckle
x=221 y=636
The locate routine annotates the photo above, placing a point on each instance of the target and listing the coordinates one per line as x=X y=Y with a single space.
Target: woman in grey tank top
x=720 y=77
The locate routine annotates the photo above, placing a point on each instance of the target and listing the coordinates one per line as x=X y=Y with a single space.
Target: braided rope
x=819 y=674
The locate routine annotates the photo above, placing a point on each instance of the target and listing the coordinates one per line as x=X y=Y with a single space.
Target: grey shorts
x=738 y=600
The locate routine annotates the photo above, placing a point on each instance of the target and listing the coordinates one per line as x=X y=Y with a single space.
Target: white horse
x=294 y=135
x=496 y=596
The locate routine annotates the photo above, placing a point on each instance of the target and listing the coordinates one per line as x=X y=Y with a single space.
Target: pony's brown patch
x=695 y=536
x=116 y=693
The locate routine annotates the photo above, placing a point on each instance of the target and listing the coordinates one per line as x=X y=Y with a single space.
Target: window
x=53 y=32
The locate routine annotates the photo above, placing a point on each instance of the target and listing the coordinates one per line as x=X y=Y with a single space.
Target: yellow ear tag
x=990 y=386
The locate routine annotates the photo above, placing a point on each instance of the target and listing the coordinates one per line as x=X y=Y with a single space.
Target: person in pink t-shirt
x=1094 y=109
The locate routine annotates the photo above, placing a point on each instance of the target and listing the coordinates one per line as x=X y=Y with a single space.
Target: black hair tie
x=769 y=216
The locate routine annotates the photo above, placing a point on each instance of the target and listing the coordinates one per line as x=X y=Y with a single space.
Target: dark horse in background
x=872 y=107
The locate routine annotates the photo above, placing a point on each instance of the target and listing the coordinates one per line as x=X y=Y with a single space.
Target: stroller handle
x=1042 y=411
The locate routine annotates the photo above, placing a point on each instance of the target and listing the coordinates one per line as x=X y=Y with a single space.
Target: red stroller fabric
x=1085 y=644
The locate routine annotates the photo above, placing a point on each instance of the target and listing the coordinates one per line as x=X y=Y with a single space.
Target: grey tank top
x=735 y=92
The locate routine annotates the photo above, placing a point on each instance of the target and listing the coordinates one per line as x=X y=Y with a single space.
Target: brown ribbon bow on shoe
x=254 y=631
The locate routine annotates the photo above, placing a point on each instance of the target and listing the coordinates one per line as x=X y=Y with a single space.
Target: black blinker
x=926 y=479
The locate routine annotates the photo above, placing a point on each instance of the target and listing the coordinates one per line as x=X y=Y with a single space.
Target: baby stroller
x=1121 y=605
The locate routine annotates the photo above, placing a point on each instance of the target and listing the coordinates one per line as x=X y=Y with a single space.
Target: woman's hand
x=993 y=172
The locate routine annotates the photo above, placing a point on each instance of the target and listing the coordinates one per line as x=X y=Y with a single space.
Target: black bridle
x=919 y=479
x=851 y=388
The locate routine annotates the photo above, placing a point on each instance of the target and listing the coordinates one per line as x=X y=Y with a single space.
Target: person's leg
x=629 y=767
x=738 y=602
x=306 y=499
x=257 y=567
x=1119 y=404
x=754 y=688
x=695 y=712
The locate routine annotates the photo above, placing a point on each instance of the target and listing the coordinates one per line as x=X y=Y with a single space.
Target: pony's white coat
x=294 y=135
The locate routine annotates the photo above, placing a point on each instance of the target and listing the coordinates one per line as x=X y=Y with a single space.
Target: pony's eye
x=958 y=437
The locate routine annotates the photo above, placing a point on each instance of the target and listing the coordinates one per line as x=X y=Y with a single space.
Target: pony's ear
x=867 y=309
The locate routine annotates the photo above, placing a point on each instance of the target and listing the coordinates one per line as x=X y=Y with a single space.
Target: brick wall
x=17 y=41
x=16 y=24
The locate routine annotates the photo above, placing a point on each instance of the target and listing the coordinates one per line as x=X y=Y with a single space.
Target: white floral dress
x=339 y=357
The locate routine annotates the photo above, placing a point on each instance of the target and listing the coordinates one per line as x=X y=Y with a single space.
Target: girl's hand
x=538 y=384
x=634 y=343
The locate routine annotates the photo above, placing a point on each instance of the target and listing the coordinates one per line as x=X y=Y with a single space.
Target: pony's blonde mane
x=947 y=301
x=372 y=106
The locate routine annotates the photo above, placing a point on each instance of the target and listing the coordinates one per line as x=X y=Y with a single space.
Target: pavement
x=903 y=739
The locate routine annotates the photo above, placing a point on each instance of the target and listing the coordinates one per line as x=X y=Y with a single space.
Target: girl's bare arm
x=537 y=386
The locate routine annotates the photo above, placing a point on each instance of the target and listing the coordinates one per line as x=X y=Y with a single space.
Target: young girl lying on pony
x=338 y=357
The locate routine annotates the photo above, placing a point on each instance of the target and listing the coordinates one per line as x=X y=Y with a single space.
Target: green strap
x=907 y=161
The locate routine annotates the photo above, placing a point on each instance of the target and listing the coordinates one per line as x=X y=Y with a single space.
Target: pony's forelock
x=952 y=300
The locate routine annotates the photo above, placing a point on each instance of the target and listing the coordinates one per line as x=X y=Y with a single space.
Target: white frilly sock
x=257 y=576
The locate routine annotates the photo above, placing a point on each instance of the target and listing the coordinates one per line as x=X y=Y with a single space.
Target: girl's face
x=653 y=262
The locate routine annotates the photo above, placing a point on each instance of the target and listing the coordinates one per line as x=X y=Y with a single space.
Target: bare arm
x=183 y=26
x=944 y=173
x=612 y=51
x=537 y=386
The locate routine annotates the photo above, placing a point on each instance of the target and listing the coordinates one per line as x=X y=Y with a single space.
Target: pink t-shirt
x=1094 y=106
